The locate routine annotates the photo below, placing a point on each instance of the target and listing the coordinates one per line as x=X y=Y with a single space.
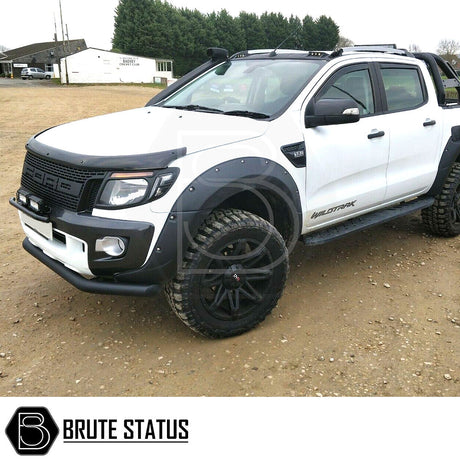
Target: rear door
x=415 y=130
x=346 y=164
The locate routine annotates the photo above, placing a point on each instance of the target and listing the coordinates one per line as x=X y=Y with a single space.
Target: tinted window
x=355 y=85
x=403 y=88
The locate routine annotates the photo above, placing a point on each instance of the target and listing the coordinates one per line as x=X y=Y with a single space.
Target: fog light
x=34 y=205
x=111 y=245
x=22 y=197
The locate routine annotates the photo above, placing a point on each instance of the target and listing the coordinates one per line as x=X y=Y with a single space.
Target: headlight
x=123 y=192
x=127 y=189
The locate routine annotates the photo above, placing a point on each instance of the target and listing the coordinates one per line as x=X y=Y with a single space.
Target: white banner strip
x=229 y=428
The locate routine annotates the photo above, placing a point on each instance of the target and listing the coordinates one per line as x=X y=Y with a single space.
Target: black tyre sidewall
x=455 y=226
x=438 y=217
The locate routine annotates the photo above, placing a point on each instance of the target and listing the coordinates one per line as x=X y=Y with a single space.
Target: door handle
x=429 y=122
x=374 y=134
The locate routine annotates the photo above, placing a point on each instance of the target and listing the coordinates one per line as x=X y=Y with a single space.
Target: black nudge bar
x=93 y=285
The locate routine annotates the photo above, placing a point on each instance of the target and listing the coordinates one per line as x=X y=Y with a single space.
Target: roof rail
x=246 y=53
x=387 y=48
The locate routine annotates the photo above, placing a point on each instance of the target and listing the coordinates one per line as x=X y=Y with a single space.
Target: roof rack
x=387 y=48
x=246 y=53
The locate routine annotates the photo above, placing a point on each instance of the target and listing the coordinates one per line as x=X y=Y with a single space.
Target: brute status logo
x=32 y=431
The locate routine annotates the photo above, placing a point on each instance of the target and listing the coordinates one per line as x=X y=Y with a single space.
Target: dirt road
x=377 y=313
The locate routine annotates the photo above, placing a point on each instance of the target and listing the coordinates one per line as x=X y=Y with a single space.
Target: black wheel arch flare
x=450 y=155
x=204 y=194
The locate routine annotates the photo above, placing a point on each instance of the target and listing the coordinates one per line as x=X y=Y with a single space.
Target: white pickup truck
x=207 y=188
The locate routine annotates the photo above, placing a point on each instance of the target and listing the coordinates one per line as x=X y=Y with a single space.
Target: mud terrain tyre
x=443 y=217
x=232 y=275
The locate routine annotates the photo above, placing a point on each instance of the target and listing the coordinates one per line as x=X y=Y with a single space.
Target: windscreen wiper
x=194 y=107
x=247 y=113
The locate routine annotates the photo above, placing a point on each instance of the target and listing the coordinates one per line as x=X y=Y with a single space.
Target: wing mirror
x=331 y=112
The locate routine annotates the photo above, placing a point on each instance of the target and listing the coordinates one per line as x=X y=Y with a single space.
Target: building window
x=164 y=66
x=49 y=68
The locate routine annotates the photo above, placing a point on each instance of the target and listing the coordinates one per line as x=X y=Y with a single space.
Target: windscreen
x=259 y=88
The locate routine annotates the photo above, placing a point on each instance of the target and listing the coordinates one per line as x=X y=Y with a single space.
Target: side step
x=365 y=221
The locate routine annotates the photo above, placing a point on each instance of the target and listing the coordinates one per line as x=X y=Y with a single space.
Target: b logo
x=32 y=430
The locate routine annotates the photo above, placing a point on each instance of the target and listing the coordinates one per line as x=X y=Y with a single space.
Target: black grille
x=72 y=188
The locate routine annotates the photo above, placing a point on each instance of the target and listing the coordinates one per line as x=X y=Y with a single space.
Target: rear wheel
x=443 y=217
x=232 y=275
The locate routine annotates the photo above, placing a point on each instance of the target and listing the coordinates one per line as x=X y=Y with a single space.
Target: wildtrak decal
x=315 y=215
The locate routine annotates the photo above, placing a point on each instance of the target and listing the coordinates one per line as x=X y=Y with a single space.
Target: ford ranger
x=207 y=189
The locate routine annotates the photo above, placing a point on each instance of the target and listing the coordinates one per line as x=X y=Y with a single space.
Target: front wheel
x=232 y=275
x=443 y=217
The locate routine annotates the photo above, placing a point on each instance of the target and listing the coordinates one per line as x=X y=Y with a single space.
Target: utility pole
x=63 y=44
x=62 y=23
x=56 y=52
x=67 y=35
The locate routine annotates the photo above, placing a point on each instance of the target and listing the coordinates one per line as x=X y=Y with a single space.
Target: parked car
x=35 y=72
x=207 y=189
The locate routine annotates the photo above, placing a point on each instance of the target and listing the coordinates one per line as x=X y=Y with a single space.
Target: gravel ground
x=375 y=314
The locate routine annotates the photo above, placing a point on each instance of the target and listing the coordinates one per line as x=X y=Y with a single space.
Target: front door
x=346 y=164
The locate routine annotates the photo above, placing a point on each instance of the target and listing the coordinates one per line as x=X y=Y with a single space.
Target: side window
x=403 y=88
x=355 y=85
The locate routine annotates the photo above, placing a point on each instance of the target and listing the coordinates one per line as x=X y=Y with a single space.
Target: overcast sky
x=403 y=22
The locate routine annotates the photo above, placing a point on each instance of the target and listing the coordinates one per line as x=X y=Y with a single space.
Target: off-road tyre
x=232 y=274
x=443 y=217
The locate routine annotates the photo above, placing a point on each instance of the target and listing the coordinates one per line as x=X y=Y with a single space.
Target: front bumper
x=65 y=241
x=95 y=285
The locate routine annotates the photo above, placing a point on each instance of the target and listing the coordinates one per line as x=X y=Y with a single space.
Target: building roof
x=116 y=53
x=33 y=48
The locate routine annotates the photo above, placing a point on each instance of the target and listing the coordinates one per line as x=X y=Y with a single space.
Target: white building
x=97 y=66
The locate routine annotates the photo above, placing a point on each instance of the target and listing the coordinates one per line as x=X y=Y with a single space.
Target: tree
x=131 y=17
x=344 y=42
x=448 y=49
x=308 y=33
x=294 y=41
x=192 y=40
x=254 y=34
x=227 y=31
x=155 y=28
x=276 y=28
x=327 y=33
